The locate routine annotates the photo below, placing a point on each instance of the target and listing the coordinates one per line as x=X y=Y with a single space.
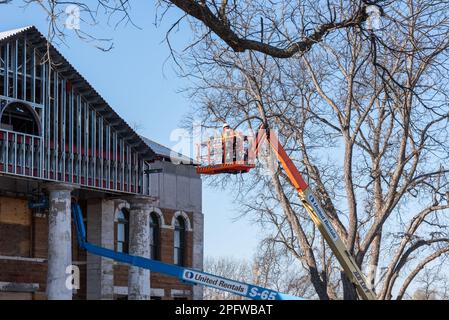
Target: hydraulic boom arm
x=317 y=214
x=184 y=274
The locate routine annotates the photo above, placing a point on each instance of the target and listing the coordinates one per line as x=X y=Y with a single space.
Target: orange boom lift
x=310 y=202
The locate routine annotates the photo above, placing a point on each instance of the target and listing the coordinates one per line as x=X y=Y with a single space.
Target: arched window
x=179 y=241
x=154 y=236
x=20 y=117
x=122 y=231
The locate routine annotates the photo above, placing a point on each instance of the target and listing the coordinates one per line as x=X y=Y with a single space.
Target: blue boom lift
x=188 y=275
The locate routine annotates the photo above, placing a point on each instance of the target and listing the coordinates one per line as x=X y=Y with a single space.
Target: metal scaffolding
x=79 y=138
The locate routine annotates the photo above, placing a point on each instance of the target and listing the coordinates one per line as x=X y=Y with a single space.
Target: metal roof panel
x=165 y=152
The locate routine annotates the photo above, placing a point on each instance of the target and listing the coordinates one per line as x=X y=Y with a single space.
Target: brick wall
x=24 y=234
x=23 y=247
x=25 y=272
x=160 y=281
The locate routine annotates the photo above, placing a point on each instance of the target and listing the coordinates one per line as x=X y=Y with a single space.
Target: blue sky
x=137 y=78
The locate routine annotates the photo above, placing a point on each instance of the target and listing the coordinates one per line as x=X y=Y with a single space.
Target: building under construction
x=61 y=142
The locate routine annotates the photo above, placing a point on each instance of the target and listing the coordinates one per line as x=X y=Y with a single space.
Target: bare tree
x=60 y=15
x=364 y=114
x=432 y=285
x=278 y=29
x=273 y=267
x=368 y=126
x=238 y=270
x=270 y=268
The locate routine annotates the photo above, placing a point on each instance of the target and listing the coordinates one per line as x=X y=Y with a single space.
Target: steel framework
x=80 y=140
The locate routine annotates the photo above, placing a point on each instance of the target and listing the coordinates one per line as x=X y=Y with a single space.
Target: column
x=100 y=231
x=198 y=228
x=139 y=245
x=59 y=242
x=198 y=250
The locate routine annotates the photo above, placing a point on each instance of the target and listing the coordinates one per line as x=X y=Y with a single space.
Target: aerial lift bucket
x=225 y=154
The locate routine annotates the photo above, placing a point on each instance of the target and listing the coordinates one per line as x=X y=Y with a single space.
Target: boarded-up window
x=15 y=226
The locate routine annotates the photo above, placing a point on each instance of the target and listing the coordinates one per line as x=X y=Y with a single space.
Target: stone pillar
x=139 y=245
x=100 y=231
x=198 y=250
x=59 y=242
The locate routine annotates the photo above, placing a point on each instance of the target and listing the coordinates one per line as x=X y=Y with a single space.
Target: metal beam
x=73 y=121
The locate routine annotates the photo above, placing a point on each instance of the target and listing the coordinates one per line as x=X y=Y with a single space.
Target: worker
x=239 y=147
x=228 y=144
x=245 y=149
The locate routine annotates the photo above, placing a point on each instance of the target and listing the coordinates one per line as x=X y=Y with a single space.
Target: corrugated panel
x=11 y=33
x=165 y=152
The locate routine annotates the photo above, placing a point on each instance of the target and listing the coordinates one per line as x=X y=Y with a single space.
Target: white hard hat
x=225 y=125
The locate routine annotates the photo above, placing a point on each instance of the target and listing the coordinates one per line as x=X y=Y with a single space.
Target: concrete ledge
x=121 y=290
x=155 y=292
x=12 y=258
x=180 y=293
x=18 y=287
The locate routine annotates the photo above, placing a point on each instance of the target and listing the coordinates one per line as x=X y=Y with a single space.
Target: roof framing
x=82 y=86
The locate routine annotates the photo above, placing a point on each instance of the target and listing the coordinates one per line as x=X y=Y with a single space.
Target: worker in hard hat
x=228 y=144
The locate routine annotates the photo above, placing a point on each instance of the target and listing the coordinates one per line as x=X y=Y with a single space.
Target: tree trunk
x=349 y=292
